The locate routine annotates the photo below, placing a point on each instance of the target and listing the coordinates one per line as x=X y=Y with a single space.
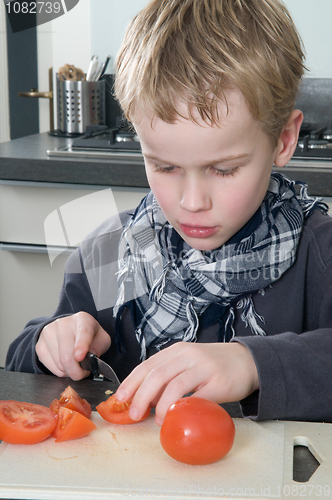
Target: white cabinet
x=38 y=222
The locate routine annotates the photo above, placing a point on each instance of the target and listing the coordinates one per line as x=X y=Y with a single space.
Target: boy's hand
x=220 y=372
x=65 y=342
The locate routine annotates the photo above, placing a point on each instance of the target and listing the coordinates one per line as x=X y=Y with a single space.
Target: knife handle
x=90 y=363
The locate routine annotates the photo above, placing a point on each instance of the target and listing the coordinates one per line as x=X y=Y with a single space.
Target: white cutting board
x=115 y=462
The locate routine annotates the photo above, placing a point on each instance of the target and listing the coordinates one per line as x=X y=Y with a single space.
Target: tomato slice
x=71 y=400
x=71 y=425
x=118 y=413
x=197 y=431
x=25 y=423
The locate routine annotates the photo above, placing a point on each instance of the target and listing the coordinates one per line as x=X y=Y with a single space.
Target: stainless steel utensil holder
x=80 y=104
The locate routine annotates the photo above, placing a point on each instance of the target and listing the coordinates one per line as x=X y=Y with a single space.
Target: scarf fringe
x=229 y=329
x=141 y=340
x=249 y=316
x=310 y=203
x=191 y=331
x=157 y=289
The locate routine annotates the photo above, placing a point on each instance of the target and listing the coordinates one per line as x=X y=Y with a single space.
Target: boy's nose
x=195 y=196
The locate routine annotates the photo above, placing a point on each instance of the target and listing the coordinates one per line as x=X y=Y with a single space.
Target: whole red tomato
x=197 y=431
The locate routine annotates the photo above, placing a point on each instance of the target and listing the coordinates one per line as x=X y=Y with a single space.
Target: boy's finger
x=135 y=379
x=67 y=360
x=164 y=364
x=85 y=330
x=168 y=378
x=180 y=385
x=133 y=382
x=57 y=342
x=101 y=342
x=45 y=357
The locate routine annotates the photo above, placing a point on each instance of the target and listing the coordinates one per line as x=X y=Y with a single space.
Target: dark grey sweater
x=294 y=358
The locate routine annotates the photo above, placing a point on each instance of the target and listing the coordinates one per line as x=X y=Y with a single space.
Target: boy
x=223 y=279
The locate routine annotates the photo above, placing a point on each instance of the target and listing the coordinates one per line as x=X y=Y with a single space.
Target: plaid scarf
x=172 y=286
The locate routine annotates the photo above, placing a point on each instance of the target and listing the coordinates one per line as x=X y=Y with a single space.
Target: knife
x=99 y=368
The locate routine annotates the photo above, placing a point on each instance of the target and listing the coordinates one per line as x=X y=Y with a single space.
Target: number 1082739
x=34 y=7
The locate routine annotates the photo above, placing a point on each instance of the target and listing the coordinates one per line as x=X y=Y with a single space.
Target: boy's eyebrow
x=217 y=160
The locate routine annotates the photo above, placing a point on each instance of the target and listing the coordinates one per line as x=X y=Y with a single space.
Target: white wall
x=313 y=20
x=71 y=37
x=98 y=26
x=109 y=19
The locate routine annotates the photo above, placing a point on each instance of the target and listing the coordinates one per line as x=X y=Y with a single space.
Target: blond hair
x=193 y=50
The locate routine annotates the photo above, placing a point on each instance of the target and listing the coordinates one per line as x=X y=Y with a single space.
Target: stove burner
x=315 y=141
x=308 y=143
x=126 y=137
x=109 y=139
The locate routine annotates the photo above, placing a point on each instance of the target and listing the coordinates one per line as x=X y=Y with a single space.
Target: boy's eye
x=228 y=172
x=164 y=169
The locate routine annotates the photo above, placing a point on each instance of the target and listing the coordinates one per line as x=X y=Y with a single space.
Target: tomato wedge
x=71 y=425
x=71 y=400
x=25 y=423
x=118 y=413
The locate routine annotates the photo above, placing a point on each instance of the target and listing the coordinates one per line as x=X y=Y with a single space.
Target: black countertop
x=25 y=159
x=42 y=389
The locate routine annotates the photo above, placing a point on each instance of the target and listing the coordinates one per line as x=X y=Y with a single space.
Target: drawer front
x=58 y=215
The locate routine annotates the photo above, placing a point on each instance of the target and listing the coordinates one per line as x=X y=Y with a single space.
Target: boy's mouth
x=198 y=231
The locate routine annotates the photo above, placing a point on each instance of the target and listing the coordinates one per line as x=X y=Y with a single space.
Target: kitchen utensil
x=97 y=72
x=104 y=67
x=119 y=461
x=98 y=367
x=92 y=68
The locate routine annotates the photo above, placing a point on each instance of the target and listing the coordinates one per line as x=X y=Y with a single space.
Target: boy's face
x=208 y=180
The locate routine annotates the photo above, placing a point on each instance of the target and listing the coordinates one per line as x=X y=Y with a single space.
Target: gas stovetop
x=103 y=142
x=314 y=147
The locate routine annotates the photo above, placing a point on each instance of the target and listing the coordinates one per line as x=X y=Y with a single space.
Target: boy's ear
x=288 y=138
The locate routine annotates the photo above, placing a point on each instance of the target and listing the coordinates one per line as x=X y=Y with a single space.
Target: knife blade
x=98 y=367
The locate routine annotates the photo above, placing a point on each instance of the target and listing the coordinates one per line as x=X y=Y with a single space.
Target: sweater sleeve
x=295 y=376
x=295 y=367
x=75 y=296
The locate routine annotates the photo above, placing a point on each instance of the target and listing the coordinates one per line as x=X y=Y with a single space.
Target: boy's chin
x=203 y=244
